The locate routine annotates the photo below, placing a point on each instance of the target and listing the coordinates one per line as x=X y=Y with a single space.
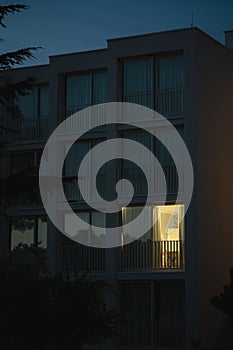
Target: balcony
x=72 y=191
x=134 y=175
x=77 y=123
x=152 y=334
x=28 y=130
x=152 y=255
x=80 y=259
x=168 y=102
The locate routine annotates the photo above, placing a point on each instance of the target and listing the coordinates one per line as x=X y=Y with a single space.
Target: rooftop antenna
x=192 y=20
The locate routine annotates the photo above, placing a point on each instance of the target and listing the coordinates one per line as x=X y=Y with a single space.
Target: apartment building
x=163 y=282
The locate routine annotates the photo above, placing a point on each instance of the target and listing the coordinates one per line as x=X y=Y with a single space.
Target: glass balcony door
x=160 y=248
x=156 y=82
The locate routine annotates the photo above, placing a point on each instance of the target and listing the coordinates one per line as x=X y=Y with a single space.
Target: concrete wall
x=214 y=174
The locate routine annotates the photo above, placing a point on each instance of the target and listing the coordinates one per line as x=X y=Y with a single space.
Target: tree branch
x=10 y=9
x=9 y=59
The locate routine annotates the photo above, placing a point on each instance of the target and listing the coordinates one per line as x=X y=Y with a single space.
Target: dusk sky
x=79 y=25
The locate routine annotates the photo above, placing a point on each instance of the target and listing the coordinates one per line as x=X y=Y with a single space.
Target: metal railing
x=72 y=190
x=136 y=177
x=77 y=258
x=152 y=255
x=76 y=123
x=133 y=174
x=153 y=333
x=168 y=102
x=28 y=129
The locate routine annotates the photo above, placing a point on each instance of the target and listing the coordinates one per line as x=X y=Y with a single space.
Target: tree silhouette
x=224 y=301
x=24 y=182
x=9 y=91
x=40 y=312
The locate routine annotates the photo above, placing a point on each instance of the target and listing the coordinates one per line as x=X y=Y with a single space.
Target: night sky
x=79 y=25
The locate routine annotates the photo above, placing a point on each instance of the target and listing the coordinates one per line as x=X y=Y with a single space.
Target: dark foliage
x=24 y=183
x=224 y=301
x=10 y=9
x=9 y=91
x=39 y=312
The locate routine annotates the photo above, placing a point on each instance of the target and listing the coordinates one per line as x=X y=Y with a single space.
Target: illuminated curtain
x=168 y=226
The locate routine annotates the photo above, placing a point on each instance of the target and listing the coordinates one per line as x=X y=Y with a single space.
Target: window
x=25 y=164
x=75 y=257
x=152 y=313
x=84 y=90
x=135 y=175
x=132 y=171
x=71 y=166
x=91 y=217
x=34 y=111
x=160 y=248
x=156 y=82
x=30 y=230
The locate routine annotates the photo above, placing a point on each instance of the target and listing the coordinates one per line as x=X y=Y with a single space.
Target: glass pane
x=99 y=87
x=27 y=104
x=135 y=301
x=75 y=156
x=44 y=101
x=22 y=231
x=132 y=171
x=169 y=72
x=78 y=92
x=42 y=232
x=170 y=85
x=138 y=82
x=130 y=213
x=168 y=225
x=171 y=301
x=98 y=219
x=71 y=227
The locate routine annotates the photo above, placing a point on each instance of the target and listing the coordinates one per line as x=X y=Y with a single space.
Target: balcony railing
x=76 y=123
x=72 y=191
x=152 y=255
x=135 y=176
x=153 y=333
x=77 y=259
x=168 y=102
x=28 y=129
